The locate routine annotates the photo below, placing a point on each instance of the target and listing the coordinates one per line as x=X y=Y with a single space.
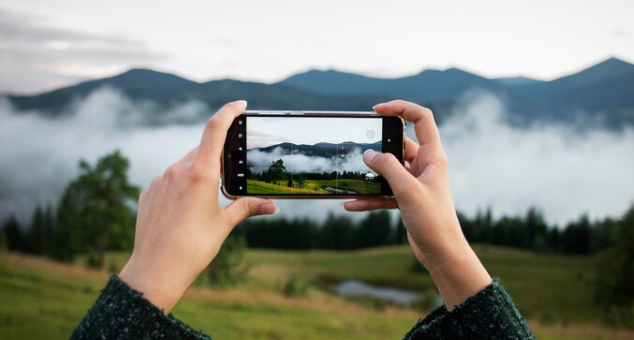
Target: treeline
x=379 y=228
x=531 y=231
x=96 y=214
x=336 y=232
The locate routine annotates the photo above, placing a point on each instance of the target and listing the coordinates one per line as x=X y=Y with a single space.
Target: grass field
x=314 y=187
x=41 y=299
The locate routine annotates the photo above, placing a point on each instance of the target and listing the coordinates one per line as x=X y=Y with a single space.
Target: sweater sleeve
x=490 y=314
x=122 y=313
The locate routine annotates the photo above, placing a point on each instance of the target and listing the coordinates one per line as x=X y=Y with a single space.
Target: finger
x=367 y=205
x=246 y=207
x=423 y=119
x=411 y=150
x=386 y=164
x=143 y=210
x=191 y=155
x=213 y=139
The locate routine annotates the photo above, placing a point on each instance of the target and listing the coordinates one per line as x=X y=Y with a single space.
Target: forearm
x=459 y=275
x=122 y=313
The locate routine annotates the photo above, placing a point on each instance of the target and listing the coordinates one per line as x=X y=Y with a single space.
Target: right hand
x=423 y=195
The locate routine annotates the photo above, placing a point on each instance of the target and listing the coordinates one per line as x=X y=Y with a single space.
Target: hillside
x=40 y=299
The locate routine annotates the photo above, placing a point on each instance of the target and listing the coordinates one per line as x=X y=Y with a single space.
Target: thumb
x=245 y=207
x=391 y=169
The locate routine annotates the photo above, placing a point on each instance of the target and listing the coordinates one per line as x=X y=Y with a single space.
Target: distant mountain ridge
x=326 y=150
x=603 y=92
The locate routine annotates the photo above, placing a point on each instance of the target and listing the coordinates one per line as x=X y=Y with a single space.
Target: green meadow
x=311 y=186
x=42 y=299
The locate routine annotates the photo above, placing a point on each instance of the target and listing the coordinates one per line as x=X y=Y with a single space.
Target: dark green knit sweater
x=121 y=313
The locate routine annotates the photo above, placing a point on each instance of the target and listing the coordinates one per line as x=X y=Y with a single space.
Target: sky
x=47 y=44
x=263 y=132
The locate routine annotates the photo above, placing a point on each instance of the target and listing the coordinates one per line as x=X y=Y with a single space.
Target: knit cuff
x=121 y=313
x=490 y=314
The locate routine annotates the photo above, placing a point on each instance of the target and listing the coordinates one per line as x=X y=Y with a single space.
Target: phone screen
x=305 y=156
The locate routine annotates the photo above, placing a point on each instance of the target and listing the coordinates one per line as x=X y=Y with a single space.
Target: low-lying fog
x=556 y=168
x=298 y=163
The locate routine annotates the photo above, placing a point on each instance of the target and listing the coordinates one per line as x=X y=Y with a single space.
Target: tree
x=338 y=232
x=15 y=238
x=36 y=234
x=375 y=229
x=615 y=275
x=277 y=170
x=50 y=230
x=301 y=181
x=95 y=213
x=536 y=227
x=576 y=236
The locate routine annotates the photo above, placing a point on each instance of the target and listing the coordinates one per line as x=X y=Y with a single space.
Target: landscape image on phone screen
x=311 y=155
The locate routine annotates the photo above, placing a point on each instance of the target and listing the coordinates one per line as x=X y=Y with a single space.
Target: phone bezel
x=303 y=114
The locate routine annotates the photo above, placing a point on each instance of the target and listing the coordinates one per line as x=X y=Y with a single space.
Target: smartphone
x=308 y=154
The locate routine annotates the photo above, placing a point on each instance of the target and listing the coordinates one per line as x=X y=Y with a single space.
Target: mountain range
x=602 y=93
x=325 y=150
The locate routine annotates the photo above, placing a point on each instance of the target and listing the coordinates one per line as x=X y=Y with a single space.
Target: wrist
x=159 y=290
x=459 y=274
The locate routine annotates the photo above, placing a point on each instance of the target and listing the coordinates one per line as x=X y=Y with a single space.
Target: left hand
x=180 y=223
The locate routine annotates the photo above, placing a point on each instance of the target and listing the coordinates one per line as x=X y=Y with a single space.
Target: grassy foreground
x=41 y=299
x=314 y=187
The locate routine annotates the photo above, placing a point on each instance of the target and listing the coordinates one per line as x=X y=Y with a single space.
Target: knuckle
x=442 y=160
x=212 y=123
x=199 y=173
x=171 y=172
x=143 y=195
x=156 y=181
x=426 y=111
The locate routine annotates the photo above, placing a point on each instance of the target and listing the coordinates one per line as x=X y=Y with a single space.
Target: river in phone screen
x=311 y=155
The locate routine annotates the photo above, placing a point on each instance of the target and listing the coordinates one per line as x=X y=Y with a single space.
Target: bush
x=294 y=287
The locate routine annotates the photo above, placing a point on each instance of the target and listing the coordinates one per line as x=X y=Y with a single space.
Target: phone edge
x=310 y=113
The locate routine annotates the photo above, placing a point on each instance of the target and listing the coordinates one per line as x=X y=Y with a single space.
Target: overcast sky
x=45 y=44
x=263 y=132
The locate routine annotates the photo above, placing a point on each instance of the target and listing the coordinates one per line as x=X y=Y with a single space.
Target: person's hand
x=423 y=195
x=180 y=225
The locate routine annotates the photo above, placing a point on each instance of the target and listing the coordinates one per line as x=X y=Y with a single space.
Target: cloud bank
x=556 y=168
x=300 y=163
x=560 y=169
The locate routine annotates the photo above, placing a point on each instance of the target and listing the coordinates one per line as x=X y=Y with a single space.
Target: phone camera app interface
x=311 y=155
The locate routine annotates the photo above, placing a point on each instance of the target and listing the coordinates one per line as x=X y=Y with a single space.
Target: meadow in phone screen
x=311 y=155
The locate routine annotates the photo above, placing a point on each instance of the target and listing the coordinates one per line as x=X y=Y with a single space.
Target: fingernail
x=243 y=103
x=368 y=155
x=268 y=209
x=374 y=107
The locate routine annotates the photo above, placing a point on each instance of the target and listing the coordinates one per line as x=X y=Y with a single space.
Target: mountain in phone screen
x=311 y=156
